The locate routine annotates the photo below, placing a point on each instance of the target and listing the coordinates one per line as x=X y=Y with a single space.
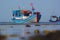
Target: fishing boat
x=25 y=16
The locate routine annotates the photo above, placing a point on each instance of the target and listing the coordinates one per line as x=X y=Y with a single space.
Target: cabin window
x=26 y=14
x=18 y=13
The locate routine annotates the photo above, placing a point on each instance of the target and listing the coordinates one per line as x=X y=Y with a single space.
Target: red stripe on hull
x=36 y=17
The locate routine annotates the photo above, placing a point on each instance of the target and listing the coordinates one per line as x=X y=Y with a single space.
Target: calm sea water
x=21 y=30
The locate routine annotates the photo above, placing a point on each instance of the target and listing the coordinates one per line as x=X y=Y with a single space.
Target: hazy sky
x=46 y=7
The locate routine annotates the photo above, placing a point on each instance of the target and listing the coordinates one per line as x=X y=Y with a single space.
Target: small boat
x=53 y=19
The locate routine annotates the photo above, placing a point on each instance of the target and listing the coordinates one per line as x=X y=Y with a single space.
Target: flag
x=31 y=4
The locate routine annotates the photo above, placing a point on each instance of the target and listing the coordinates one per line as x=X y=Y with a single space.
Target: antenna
x=19 y=7
x=32 y=7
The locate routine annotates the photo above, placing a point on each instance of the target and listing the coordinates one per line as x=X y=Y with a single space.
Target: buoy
x=37 y=24
x=23 y=38
x=36 y=32
x=27 y=25
x=27 y=32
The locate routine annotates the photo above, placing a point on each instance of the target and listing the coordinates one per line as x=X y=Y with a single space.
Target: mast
x=33 y=9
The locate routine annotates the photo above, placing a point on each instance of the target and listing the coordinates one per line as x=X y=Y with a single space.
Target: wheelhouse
x=21 y=14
